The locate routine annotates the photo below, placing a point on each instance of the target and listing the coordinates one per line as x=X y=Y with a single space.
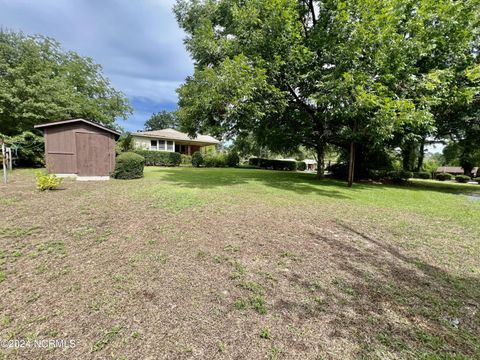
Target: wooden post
x=4 y=163
x=9 y=153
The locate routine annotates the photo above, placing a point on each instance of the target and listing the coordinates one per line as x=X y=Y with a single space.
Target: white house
x=172 y=140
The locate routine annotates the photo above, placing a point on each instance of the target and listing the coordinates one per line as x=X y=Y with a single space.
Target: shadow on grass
x=300 y=183
x=399 y=302
x=288 y=181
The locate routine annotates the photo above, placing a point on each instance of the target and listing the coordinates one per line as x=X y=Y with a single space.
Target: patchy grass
x=209 y=263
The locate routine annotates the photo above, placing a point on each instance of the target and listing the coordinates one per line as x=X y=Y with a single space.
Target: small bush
x=197 y=159
x=232 y=159
x=129 y=165
x=339 y=170
x=186 y=159
x=399 y=176
x=422 y=175
x=47 y=182
x=444 y=176
x=377 y=175
x=477 y=179
x=265 y=333
x=160 y=158
x=273 y=164
x=301 y=166
x=462 y=178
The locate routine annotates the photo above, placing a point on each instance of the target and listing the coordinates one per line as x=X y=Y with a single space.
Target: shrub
x=444 y=176
x=197 y=159
x=273 y=164
x=462 y=178
x=214 y=160
x=254 y=161
x=232 y=159
x=47 y=182
x=377 y=175
x=399 y=176
x=186 y=159
x=129 y=165
x=301 y=166
x=422 y=175
x=338 y=171
x=160 y=158
x=477 y=179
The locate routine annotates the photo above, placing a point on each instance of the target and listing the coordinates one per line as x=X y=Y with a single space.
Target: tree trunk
x=351 y=165
x=421 y=155
x=320 y=160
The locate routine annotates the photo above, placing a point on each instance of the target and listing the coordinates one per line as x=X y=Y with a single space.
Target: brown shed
x=79 y=147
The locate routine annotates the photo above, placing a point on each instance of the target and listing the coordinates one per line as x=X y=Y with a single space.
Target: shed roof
x=63 y=122
x=172 y=134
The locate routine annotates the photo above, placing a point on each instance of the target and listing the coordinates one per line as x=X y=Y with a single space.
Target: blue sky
x=138 y=43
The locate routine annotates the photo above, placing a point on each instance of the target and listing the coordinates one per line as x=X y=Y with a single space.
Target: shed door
x=93 y=156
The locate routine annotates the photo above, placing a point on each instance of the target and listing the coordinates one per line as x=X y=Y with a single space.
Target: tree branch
x=312 y=12
x=302 y=103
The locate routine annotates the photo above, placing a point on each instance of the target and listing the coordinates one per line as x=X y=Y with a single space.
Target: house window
x=153 y=144
x=161 y=145
x=169 y=145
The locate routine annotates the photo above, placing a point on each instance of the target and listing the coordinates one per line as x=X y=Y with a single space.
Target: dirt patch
x=236 y=278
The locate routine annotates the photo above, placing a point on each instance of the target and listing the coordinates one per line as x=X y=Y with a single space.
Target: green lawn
x=241 y=263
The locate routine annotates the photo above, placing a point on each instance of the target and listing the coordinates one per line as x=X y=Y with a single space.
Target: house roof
x=453 y=169
x=172 y=134
x=63 y=122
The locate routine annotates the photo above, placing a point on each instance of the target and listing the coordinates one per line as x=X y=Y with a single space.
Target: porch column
x=188 y=150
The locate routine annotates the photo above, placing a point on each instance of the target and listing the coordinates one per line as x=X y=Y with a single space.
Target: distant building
x=311 y=164
x=454 y=170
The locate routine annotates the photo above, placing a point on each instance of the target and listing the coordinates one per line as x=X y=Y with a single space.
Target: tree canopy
x=41 y=82
x=310 y=73
x=162 y=120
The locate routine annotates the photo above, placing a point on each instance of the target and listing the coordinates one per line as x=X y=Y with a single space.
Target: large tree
x=313 y=72
x=40 y=82
x=162 y=120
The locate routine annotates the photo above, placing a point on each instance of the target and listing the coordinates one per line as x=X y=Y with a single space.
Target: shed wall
x=61 y=149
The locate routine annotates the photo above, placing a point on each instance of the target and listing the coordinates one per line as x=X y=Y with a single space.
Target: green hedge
x=422 y=175
x=273 y=164
x=232 y=159
x=215 y=159
x=160 y=158
x=444 y=176
x=462 y=178
x=197 y=159
x=301 y=166
x=129 y=166
x=399 y=175
x=477 y=179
